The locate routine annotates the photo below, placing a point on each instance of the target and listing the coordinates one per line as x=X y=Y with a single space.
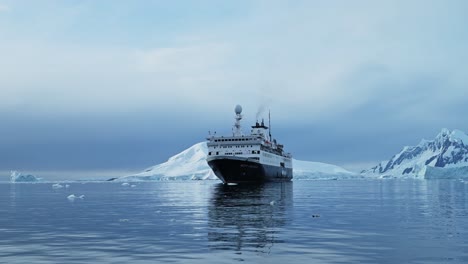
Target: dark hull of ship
x=230 y=170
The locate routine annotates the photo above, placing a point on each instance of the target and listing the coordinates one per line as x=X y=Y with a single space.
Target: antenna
x=269 y=124
x=237 y=126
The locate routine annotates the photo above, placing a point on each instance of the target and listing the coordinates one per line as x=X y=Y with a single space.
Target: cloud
x=74 y=79
x=185 y=73
x=346 y=82
x=4 y=8
x=315 y=59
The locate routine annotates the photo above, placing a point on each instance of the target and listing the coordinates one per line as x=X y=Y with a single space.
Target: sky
x=123 y=85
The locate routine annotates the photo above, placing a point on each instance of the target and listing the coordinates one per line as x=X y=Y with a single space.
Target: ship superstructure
x=248 y=158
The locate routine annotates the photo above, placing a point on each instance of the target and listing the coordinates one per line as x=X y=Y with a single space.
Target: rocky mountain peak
x=447 y=149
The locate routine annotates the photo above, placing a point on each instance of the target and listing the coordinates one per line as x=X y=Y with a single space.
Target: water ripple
x=195 y=222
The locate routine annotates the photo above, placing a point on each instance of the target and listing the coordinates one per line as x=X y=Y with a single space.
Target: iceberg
x=16 y=176
x=191 y=164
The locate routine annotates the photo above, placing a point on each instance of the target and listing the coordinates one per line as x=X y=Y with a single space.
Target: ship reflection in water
x=248 y=217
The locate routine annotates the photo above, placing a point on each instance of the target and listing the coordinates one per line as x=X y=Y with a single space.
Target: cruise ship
x=248 y=158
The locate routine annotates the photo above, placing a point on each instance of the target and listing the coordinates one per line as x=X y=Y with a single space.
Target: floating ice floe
x=57 y=186
x=73 y=197
x=125 y=184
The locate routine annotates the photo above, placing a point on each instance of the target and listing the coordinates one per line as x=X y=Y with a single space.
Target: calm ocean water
x=360 y=221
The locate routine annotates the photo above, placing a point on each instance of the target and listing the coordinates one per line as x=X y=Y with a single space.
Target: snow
x=443 y=157
x=317 y=167
x=19 y=177
x=454 y=136
x=191 y=164
x=304 y=170
x=459 y=135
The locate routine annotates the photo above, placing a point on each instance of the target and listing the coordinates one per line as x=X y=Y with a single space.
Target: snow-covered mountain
x=191 y=164
x=444 y=157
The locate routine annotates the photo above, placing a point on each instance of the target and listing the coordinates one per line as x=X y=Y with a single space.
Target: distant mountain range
x=191 y=164
x=444 y=157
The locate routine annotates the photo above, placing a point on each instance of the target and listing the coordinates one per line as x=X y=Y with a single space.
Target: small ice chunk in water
x=72 y=197
x=133 y=186
x=57 y=186
x=125 y=184
x=67 y=186
x=272 y=203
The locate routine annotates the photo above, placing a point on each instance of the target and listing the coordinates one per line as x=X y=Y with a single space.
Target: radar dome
x=238 y=109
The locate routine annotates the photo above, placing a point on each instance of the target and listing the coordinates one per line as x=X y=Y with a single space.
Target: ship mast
x=269 y=125
x=237 y=132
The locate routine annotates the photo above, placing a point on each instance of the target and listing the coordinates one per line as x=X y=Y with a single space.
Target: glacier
x=306 y=170
x=446 y=156
x=191 y=164
x=16 y=176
